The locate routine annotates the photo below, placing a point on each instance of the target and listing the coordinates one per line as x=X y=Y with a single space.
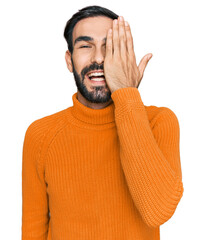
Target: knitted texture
x=101 y=174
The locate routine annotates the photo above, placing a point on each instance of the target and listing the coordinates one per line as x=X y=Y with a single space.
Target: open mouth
x=96 y=76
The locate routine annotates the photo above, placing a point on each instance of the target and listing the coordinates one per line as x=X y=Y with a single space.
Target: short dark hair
x=90 y=11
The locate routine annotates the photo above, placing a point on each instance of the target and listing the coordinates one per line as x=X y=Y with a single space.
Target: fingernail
x=115 y=21
x=121 y=18
x=126 y=23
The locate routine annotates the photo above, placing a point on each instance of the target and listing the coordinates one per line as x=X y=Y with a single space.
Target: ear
x=68 y=60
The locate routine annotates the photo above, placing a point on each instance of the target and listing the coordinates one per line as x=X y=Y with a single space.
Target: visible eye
x=85 y=47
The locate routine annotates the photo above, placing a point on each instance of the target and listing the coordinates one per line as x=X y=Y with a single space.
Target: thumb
x=143 y=63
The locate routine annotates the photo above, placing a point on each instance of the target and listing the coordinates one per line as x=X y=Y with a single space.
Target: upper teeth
x=96 y=74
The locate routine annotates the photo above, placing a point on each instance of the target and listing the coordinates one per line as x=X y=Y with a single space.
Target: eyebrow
x=87 y=39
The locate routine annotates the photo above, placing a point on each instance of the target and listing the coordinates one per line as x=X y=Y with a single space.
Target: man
x=108 y=167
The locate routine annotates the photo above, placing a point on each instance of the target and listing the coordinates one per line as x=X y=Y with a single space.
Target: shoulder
x=42 y=127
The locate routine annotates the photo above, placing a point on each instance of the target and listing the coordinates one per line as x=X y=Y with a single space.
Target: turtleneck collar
x=90 y=115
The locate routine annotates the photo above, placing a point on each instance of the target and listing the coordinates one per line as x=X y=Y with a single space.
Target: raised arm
x=150 y=156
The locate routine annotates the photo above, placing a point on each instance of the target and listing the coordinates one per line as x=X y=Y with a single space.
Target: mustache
x=94 y=66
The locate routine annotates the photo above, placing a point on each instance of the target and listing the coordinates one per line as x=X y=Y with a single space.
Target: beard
x=100 y=94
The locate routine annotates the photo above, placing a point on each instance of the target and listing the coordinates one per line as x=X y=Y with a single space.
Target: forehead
x=95 y=27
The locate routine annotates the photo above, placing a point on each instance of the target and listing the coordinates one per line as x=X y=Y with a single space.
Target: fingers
x=122 y=38
x=130 y=46
x=109 y=43
x=116 y=38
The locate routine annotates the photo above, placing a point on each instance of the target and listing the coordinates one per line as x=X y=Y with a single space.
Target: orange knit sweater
x=101 y=174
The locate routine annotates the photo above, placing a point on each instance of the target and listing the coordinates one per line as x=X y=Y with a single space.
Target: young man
x=108 y=167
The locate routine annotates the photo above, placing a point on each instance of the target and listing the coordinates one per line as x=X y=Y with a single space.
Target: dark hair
x=90 y=11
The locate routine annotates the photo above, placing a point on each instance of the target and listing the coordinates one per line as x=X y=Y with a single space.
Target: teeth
x=96 y=74
x=98 y=79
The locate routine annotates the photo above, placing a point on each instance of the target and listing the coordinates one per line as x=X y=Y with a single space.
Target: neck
x=86 y=103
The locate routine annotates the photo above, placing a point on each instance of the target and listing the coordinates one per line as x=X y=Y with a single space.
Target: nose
x=98 y=55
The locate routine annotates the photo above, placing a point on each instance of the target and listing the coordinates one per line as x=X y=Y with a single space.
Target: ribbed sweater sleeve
x=35 y=214
x=149 y=156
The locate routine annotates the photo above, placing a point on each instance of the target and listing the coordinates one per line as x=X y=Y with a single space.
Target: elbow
x=160 y=214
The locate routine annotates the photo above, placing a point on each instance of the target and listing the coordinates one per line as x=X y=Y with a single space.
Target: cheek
x=81 y=61
x=78 y=63
x=83 y=56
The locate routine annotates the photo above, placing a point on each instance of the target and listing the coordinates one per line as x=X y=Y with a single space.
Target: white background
x=35 y=82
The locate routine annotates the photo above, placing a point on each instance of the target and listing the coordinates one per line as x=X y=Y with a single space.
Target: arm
x=150 y=157
x=35 y=214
